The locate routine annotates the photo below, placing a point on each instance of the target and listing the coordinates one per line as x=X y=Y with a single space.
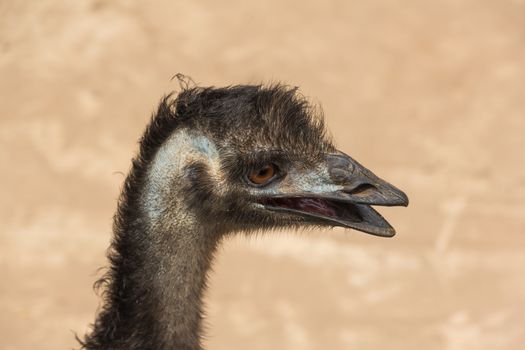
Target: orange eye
x=262 y=175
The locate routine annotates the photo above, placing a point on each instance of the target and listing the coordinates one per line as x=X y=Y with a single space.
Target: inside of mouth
x=317 y=206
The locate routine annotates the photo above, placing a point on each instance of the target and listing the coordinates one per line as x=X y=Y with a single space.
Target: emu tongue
x=309 y=205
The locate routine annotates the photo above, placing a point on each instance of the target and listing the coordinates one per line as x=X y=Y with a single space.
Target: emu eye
x=263 y=175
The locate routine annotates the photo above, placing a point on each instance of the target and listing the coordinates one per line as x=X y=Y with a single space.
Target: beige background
x=428 y=94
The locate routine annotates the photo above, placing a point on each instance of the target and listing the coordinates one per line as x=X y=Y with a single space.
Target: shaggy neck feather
x=161 y=260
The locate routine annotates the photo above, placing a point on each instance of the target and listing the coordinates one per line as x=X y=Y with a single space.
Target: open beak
x=340 y=193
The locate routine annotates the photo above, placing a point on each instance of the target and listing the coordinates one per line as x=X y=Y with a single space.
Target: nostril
x=360 y=189
x=339 y=176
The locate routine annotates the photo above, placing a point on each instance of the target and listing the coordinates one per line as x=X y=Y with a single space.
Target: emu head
x=254 y=157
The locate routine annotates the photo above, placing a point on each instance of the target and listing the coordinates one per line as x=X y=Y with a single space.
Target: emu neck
x=175 y=272
x=182 y=246
x=161 y=254
x=184 y=257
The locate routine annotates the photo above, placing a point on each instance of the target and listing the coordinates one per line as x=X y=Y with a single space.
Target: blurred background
x=430 y=95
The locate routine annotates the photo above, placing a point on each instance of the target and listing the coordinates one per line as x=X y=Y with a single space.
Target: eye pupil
x=263 y=175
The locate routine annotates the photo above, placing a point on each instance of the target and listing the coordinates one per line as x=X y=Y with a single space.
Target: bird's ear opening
x=200 y=185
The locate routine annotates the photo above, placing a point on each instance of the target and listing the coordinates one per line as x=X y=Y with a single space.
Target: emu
x=214 y=162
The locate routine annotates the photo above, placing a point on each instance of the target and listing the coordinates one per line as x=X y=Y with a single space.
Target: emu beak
x=340 y=193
